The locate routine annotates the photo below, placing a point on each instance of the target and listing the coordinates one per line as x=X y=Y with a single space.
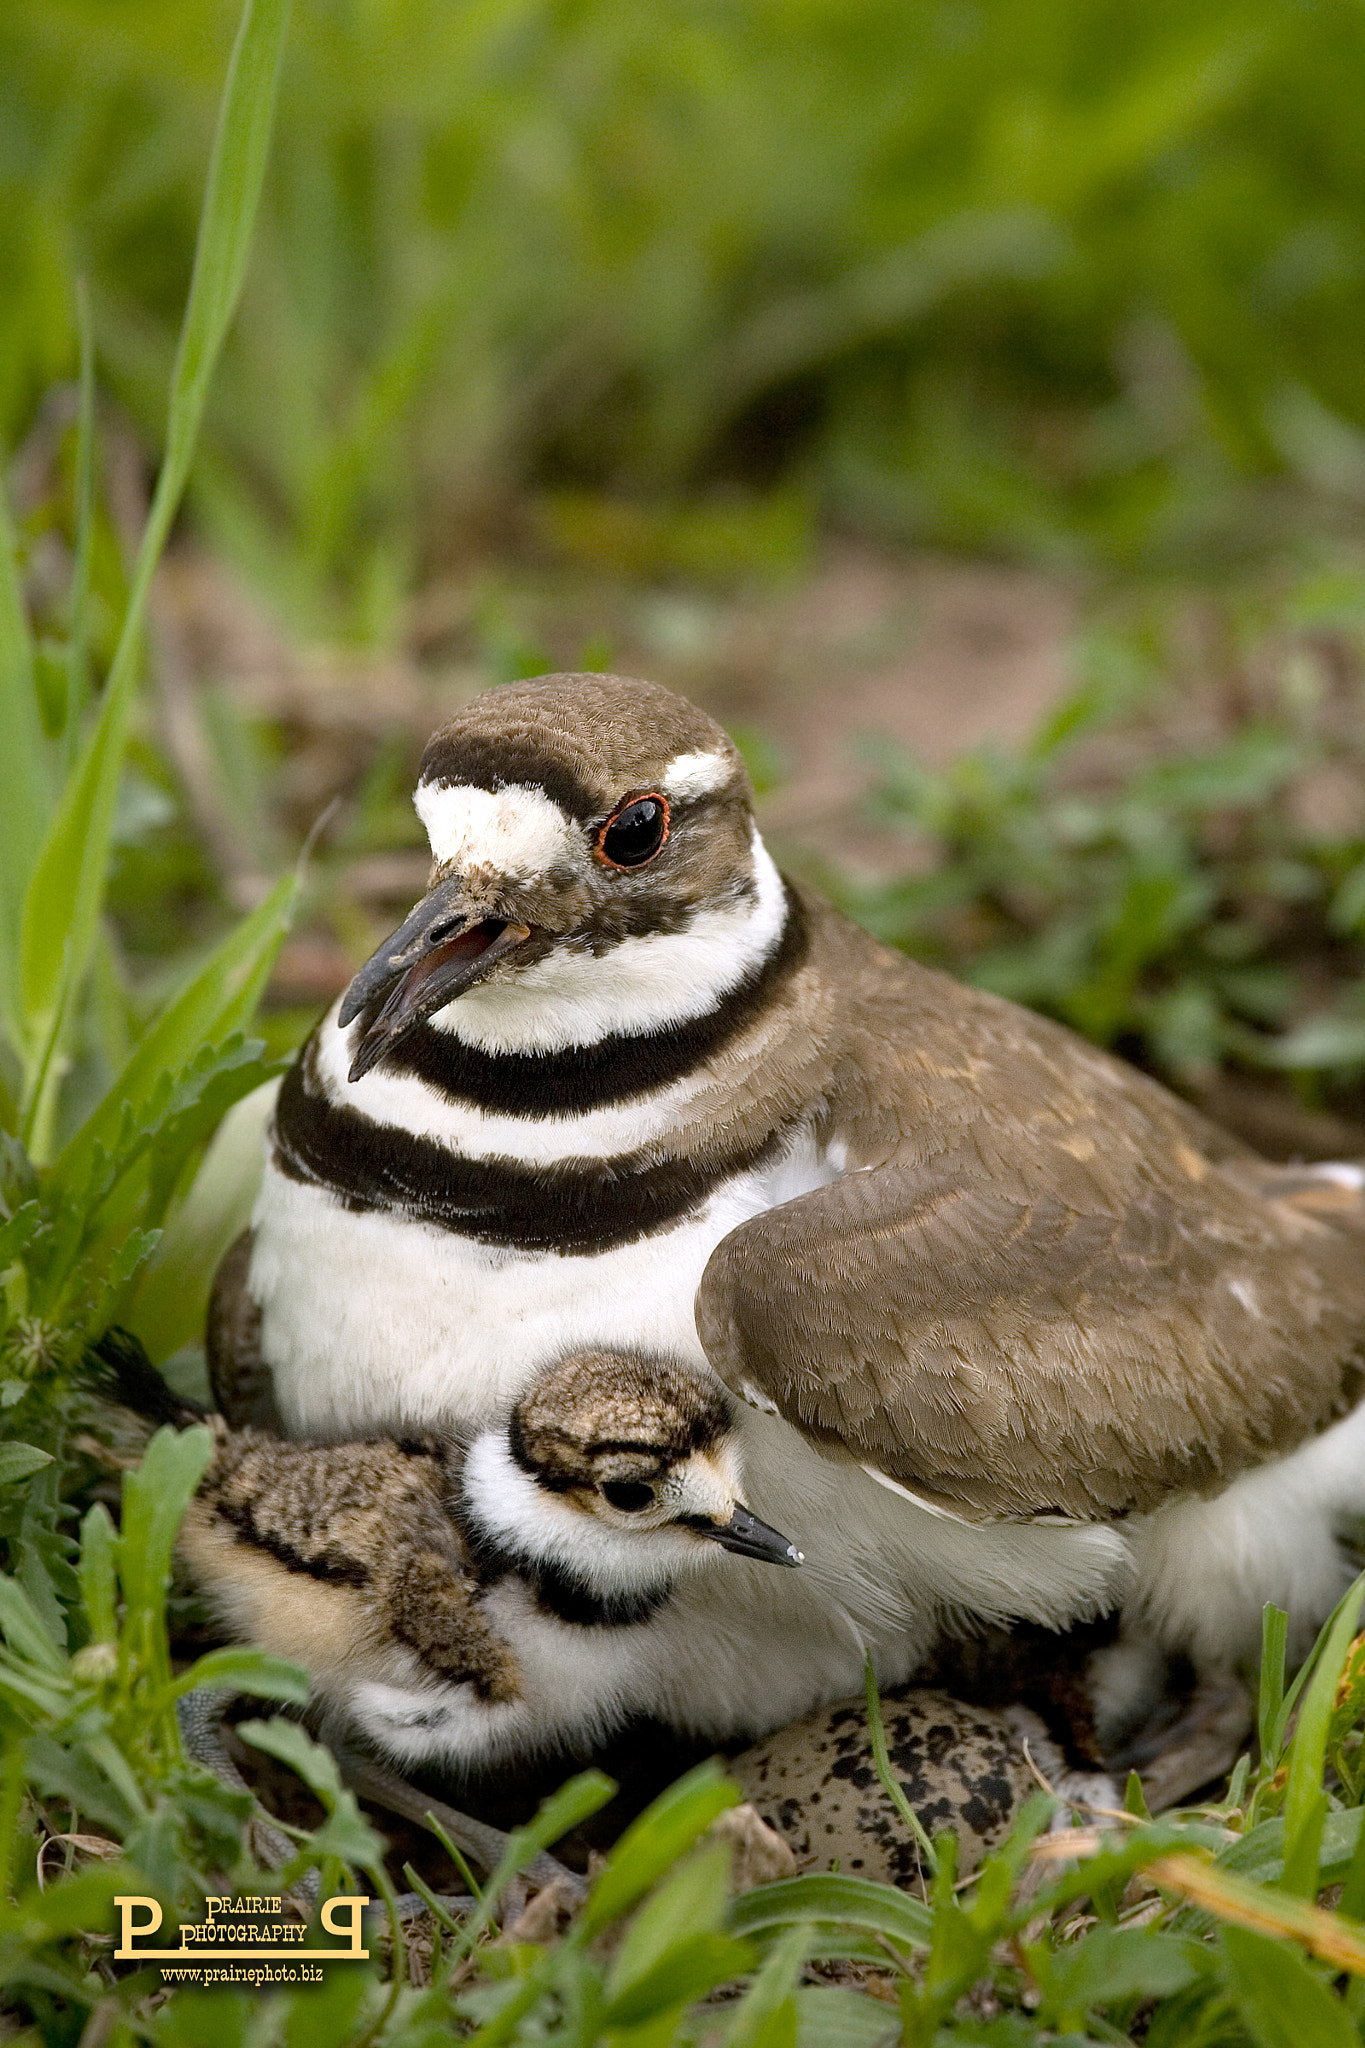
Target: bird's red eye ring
x=634 y=832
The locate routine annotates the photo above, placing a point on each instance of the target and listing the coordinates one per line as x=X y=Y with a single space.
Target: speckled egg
x=960 y=1767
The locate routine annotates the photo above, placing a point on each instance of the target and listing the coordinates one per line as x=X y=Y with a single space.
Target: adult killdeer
x=1023 y=1333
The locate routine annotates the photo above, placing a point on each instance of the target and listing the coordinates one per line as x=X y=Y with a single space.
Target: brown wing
x=1006 y=1354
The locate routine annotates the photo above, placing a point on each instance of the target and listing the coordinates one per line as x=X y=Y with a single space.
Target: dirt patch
x=930 y=655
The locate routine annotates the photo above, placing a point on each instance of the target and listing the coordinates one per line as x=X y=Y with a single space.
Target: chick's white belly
x=373 y=1322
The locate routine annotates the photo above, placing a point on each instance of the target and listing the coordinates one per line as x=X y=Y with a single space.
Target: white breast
x=375 y=1322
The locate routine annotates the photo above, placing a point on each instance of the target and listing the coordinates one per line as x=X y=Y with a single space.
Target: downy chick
x=457 y=1606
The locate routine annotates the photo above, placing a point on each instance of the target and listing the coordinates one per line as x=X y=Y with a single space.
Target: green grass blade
x=1305 y=1802
x=24 y=793
x=62 y=904
x=891 y=1784
x=239 y=1669
x=1274 y=1641
x=78 y=642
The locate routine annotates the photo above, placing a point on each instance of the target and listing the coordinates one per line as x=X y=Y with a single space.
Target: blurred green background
x=966 y=403
x=1079 y=280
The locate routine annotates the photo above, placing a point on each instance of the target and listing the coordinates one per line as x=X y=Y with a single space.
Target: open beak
x=749 y=1537
x=435 y=955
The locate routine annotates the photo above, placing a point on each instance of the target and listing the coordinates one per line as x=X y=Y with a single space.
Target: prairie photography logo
x=241 y=1941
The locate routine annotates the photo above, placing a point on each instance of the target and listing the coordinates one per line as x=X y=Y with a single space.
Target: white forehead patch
x=517 y=831
x=689 y=775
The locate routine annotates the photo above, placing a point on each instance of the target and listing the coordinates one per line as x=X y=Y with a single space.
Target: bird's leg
x=200 y=1714
x=484 y=1845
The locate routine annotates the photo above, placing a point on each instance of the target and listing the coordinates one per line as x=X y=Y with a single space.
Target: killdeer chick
x=1024 y=1333
x=456 y=1607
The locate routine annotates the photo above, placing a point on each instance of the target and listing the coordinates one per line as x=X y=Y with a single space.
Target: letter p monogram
x=128 y=1904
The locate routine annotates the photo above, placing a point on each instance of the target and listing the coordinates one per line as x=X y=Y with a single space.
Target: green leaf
x=78 y=643
x=1347 y=911
x=1351 y=1904
x=76 y=1905
x=773 y=1987
x=155 y=1497
x=66 y=889
x=1274 y=1642
x=1283 y=2003
x=327 y=2016
x=49 y=1698
x=692 y=1900
x=102 y=1750
x=654 y=1842
x=61 y=1772
x=18 y=1231
x=693 y=1966
x=842 y=1901
x=1324 y=1041
x=563 y=1810
x=347 y=1833
x=1111 y=1964
x=1259 y=1854
x=216 y=1004
x=168 y=1305
x=831 y=2018
x=25 y=1630
x=245 y=1670
x=100 y=1242
x=19 y=1461
x=99 y=1548
x=890 y=1783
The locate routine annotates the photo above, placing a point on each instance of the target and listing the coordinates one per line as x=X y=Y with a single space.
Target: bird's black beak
x=749 y=1537
x=438 y=952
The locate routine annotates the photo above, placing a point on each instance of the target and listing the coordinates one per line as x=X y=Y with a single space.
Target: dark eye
x=629 y=1495
x=636 y=832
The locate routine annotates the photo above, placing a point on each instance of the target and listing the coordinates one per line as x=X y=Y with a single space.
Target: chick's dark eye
x=629 y=1495
x=635 y=833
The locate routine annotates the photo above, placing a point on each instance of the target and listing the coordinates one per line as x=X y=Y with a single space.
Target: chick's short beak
x=749 y=1537
x=438 y=952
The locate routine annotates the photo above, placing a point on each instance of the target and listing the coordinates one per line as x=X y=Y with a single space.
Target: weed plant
x=1175 y=865
x=1202 y=1928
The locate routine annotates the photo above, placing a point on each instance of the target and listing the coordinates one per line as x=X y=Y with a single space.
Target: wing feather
x=1008 y=1357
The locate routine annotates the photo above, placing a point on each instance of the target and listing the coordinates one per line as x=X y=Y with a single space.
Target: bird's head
x=622 y=1471
x=595 y=868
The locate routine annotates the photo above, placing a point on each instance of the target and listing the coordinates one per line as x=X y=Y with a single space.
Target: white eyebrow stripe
x=517 y=831
x=697 y=774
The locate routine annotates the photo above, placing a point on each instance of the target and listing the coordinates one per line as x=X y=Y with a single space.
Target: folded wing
x=1007 y=1356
